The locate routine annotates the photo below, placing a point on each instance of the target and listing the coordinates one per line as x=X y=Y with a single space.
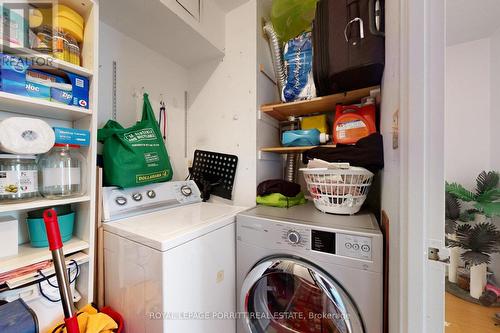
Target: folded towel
x=281 y=201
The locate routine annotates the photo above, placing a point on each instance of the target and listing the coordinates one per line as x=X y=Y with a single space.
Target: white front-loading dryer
x=300 y=270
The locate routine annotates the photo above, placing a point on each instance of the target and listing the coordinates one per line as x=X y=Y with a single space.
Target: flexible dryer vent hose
x=276 y=54
x=291 y=167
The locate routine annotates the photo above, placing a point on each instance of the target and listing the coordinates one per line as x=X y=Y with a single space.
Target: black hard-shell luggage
x=349 y=45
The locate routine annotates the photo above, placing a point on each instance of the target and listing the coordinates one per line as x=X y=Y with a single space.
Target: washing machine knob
x=121 y=201
x=293 y=237
x=137 y=197
x=186 y=190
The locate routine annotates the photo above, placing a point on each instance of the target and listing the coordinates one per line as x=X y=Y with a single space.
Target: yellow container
x=69 y=21
x=65 y=19
x=69 y=27
x=319 y=122
x=65 y=11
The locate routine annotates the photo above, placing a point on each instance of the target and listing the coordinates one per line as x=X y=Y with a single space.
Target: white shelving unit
x=54 y=62
x=40 y=108
x=69 y=116
x=29 y=255
x=40 y=203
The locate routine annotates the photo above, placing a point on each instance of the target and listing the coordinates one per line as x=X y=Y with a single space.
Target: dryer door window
x=285 y=295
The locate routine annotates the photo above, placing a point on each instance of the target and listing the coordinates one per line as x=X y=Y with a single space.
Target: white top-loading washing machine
x=169 y=259
x=301 y=270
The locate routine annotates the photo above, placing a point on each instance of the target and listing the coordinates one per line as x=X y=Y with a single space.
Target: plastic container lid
x=66 y=145
x=17 y=157
x=324 y=138
x=60 y=210
x=67 y=12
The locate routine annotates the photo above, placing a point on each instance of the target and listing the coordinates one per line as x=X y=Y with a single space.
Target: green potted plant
x=479 y=240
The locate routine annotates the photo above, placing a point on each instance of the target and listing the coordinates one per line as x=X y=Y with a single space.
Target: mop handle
x=55 y=246
x=52 y=227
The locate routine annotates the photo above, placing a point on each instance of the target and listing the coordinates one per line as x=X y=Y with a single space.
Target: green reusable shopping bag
x=137 y=155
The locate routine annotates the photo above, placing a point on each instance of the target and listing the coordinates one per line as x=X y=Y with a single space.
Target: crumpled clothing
x=90 y=321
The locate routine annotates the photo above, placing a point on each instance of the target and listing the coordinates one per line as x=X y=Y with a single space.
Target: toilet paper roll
x=19 y=135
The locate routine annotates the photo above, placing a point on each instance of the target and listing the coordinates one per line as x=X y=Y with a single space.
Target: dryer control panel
x=351 y=246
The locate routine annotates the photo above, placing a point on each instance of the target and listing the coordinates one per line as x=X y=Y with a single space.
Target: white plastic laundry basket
x=338 y=191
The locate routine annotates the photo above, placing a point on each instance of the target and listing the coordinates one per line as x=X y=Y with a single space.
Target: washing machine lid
x=168 y=228
x=308 y=215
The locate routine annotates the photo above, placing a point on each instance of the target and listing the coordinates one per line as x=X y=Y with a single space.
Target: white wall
x=495 y=123
x=467 y=111
x=495 y=101
x=269 y=165
x=390 y=182
x=137 y=67
x=472 y=131
x=222 y=102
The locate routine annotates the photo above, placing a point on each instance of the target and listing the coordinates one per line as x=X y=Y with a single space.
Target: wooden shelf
x=52 y=62
x=29 y=255
x=39 y=203
x=40 y=108
x=290 y=150
x=281 y=111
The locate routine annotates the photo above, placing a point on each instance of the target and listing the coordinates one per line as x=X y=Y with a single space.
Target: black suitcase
x=349 y=45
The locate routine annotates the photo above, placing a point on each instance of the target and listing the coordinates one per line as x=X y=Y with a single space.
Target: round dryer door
x=285 y=295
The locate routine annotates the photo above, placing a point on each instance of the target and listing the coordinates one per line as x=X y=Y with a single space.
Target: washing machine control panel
x=119 y=203
x=353 y=246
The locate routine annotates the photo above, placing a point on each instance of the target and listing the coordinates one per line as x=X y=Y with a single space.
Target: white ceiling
x=468 y=20
x=228 y=5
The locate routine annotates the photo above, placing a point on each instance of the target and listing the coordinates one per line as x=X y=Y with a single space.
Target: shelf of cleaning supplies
x=281 y=111
x=39 y=203
x=40 y=108
x=290 y=150
x=29 y=255
x=43 y=59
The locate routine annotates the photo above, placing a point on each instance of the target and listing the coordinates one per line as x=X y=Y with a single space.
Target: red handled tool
x=55 y=246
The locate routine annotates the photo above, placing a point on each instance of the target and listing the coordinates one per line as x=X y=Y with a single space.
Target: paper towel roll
x=19 y=135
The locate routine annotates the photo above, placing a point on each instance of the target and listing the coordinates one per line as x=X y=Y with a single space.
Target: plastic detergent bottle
x=312 y=137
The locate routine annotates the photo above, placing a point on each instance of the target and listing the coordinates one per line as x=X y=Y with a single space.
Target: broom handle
x=55 y=246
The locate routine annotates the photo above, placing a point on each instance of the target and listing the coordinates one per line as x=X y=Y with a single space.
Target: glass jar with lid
x=18 y=177
x=62 y=172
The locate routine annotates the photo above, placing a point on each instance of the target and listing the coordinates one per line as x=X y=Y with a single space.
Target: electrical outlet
x=220 y=276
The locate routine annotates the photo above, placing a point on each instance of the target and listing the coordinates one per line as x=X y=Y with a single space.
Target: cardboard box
x=72 y=136
x=19 y=76
x=8 y=236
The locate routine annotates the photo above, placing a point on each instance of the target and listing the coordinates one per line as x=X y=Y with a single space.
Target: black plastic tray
x=215 y=170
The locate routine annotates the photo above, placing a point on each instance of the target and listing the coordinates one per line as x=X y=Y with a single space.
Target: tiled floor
x=465 y=317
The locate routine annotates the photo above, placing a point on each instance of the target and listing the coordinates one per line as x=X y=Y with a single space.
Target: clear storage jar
x=62 y=172
x=18 y=177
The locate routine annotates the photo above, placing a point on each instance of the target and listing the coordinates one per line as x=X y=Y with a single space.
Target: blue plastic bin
x=38 y=236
